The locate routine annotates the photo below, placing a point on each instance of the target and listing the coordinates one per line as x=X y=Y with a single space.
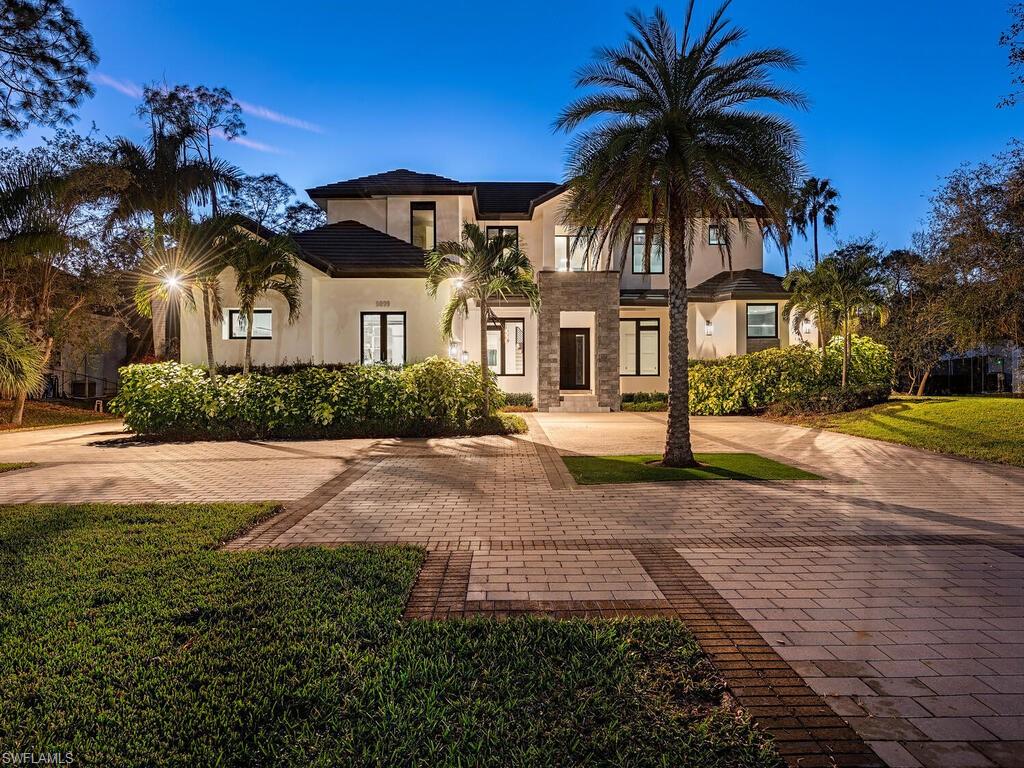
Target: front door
x=575 y=358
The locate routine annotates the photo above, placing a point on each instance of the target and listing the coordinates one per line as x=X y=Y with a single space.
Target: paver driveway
x=895 y=587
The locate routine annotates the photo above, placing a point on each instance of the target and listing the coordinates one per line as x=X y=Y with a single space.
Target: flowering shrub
x=434 y=397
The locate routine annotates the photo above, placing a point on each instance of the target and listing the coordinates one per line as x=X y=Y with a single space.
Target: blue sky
x=901 y=92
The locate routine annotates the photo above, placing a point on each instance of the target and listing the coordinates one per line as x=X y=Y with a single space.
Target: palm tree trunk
x=815 y=241
x=483 y=357
x=785 y=255
x=924 y=381
x=678 y=448
x=846 y=347
x=18 y=414
x=210 y=363
x=247 y=363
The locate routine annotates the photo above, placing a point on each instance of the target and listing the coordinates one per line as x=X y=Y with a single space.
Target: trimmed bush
x=830 y=400
x=646 y=397
x=435 y=397
x=519 y=399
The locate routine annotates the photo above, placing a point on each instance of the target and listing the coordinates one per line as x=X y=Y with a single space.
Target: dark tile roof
x=493 y=199
x=741 y=284
x=351 y=249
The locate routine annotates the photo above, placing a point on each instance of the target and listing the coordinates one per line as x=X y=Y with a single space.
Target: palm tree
x=262 y=267
x=810 y=299
x=480 y=269
x=856 y=291
x=21 y=365
x=817 y=200
x=679 y=142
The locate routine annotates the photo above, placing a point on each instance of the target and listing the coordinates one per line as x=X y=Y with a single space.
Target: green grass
x=47 y=414
x=594 y=470
x=127 y=639
x=988 y=428
x=10 y=466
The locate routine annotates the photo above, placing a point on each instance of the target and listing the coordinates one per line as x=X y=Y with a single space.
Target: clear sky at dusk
x=901 y=91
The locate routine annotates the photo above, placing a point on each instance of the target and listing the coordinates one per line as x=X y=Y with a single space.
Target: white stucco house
x=599 y=332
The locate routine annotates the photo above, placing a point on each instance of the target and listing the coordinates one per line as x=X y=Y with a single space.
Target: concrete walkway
x=894 y=587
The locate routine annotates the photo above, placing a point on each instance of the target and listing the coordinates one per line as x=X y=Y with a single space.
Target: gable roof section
x=743 y=284
x=351 y=249
x=492 y=199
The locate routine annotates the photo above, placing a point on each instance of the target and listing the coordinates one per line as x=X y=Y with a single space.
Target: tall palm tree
x=480 y=269
x=679 y=142
x=262 y=267
x=810 y=298
x=21 y=364
x=817 y=200
x=855 y=288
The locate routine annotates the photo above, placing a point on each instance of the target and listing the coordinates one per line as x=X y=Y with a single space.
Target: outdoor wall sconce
x=709 y=328
x=805 y=327
x=465 y=356
x=453 y=351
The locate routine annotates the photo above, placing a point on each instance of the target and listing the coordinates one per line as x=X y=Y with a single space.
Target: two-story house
x=602 y=329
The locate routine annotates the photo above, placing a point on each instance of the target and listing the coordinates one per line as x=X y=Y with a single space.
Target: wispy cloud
x=127 y=87
x=265 y=113
x=250 y=143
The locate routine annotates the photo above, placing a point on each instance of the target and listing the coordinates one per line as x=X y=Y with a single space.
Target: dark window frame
x=383 y=337
x=231 y=324
x=422 y=205
x=632 y=246
x=569 y=248
x=498 y=324
x=636 y=352
x=499 y=228
x=775 y=307
x=718 y=239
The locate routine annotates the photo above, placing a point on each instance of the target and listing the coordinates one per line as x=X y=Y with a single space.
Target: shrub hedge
x=830 y=400
x=433 y=397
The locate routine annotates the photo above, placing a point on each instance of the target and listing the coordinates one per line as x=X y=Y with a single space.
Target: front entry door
x=575 y=358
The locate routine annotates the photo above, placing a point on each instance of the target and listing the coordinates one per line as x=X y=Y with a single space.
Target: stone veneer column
x=596 y=292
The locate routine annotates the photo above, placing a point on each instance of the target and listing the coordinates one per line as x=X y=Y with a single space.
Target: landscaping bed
x=128 y=639
x=595 y=470
x=47 y=413
x=987 y=428
x=10 y=466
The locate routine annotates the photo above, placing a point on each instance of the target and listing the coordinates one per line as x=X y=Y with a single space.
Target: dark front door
x=574 y=355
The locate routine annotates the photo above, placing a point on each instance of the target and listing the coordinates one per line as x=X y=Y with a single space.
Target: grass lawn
x=48 y=414
x=127 y=639
x=594 y=470
x=10 y=466
x=988 y=428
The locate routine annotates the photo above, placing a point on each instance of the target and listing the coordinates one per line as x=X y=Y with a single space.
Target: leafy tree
x=299 y=217
x=263 y=199
x=45 y=57
x=810 y=299
x=816 y=200
x=198 y=114
x=480 y=269
x=21 y=364
x=262 y=267
x=1011 y=39
x=679 y=141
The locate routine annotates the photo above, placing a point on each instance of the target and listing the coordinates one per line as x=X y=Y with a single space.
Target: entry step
x=579 y=403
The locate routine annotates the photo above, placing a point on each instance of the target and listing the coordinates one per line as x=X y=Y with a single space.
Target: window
x=424 y=225
x=715 y=235
x=261 y=324
x=493 y=232
x=640 y=347
x=762 y=321
x=657 y=257
x=382 y=337
x=506 y=346
x=571 y=254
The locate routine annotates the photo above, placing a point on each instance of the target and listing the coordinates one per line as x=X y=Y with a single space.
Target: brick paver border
x=806 y=731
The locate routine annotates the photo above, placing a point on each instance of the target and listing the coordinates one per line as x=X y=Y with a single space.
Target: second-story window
x=657 y=263
x=493 y=232
x=424 y=225
x=715 y=235
x=571 y=254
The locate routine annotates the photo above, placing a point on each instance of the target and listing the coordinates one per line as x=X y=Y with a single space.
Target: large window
x=493 y=232
x=639 y=243
x=640 y=347
x=382 y=337
x=506 y=346
x=424 y=225
x=762 y=321
x=715 y=235
x=235 y=325
x=571 y=254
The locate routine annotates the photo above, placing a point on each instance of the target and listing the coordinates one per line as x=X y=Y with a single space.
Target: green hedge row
x=433 y=397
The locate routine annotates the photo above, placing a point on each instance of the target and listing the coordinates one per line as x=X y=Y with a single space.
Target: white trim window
x=234 y=324
x=506 y=346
